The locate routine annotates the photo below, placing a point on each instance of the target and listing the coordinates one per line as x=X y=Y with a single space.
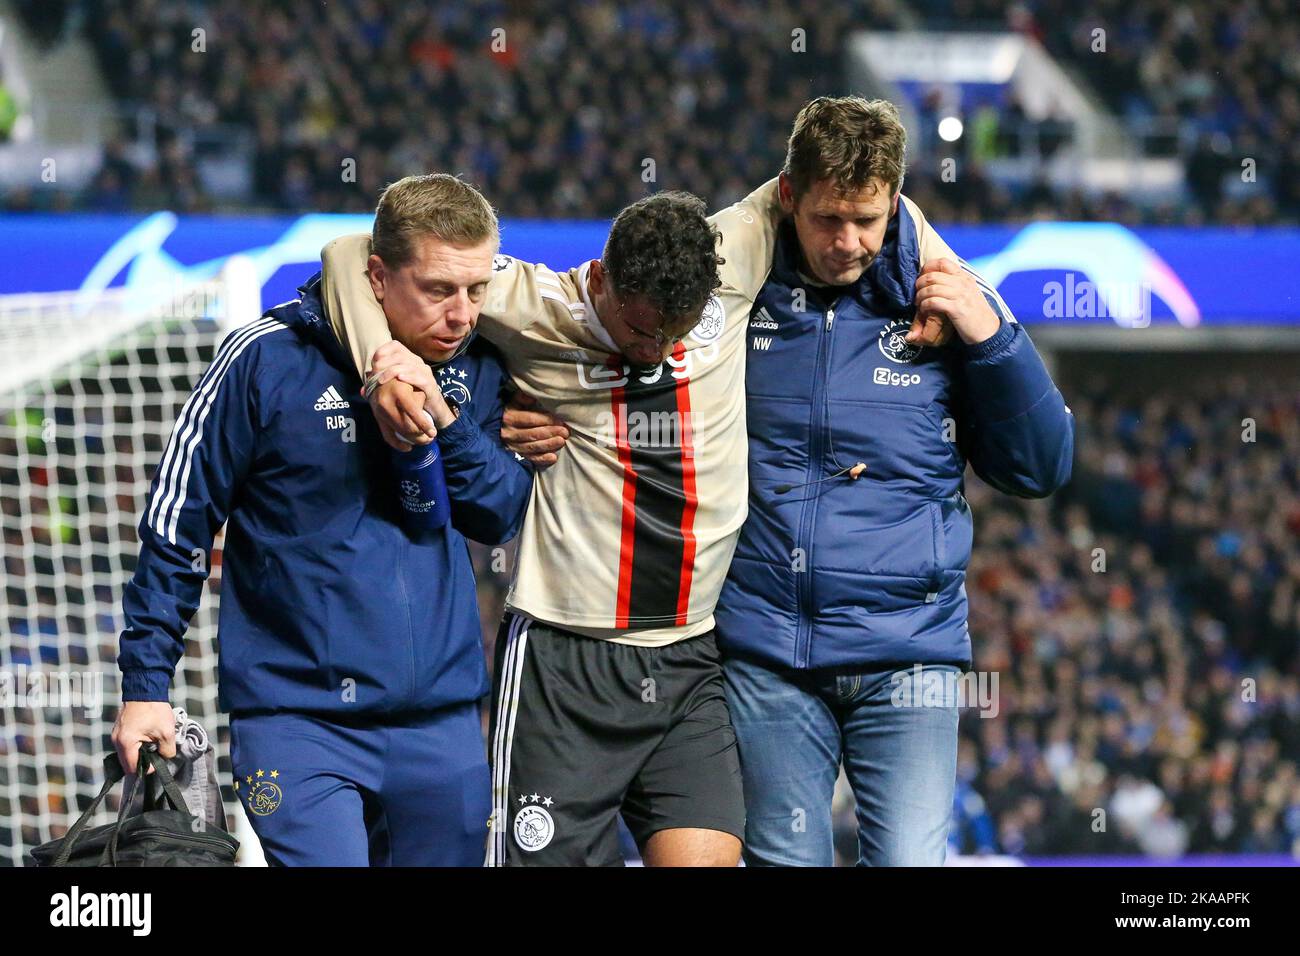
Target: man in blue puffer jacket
x=350 y=659
x=844 y=613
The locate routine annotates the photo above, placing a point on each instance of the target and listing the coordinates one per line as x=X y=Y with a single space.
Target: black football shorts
x=583 y=729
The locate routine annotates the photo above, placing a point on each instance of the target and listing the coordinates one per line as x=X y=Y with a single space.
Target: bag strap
x=172 y=793
x=113 y=772
x=170 y=790
x=109 y=856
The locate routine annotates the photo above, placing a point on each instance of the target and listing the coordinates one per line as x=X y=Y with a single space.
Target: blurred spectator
x=9 y=112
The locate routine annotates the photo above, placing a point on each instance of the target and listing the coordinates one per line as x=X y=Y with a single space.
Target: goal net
x=90 y=386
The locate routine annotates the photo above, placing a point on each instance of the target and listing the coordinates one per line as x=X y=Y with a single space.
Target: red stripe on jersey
x=628 y=538
x=688 y=489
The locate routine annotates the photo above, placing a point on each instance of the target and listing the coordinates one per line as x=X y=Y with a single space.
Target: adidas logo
x=329 y=400
x=763 y=320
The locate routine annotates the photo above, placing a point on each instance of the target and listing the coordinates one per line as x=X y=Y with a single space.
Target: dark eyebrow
x=426 y=283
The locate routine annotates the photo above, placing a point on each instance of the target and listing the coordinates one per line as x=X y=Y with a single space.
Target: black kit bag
x=163 y=833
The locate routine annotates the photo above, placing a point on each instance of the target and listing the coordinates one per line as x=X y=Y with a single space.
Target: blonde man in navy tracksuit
x=350 y=655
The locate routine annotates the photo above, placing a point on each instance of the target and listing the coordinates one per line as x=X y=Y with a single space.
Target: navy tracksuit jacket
x=333 y=614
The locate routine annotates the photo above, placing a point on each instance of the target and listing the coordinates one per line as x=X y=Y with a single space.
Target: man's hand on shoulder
x=945 y=290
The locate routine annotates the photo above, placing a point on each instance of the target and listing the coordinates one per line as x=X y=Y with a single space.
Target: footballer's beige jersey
x=629 y=535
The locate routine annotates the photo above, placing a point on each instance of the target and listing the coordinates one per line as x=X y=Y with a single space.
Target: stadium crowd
x=1144 y=625
x=557 y=114
x=1216 y=78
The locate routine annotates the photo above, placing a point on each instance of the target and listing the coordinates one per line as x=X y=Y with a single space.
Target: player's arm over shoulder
x=748 y=231
x=513 y=300
x=930 y=244
x=359 y=321
x=350 y=305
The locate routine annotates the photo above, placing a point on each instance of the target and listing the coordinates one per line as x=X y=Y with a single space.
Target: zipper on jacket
x=808 y=517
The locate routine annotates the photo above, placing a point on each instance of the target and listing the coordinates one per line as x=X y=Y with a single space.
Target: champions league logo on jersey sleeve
x=894 y=346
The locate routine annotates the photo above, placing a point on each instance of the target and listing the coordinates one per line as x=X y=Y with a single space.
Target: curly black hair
x=664 y=248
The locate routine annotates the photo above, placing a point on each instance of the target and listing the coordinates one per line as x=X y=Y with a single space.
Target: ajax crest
x=452 y=382
x=261 y=794
x=533 y=826
x=711 y=322
x=892 y=344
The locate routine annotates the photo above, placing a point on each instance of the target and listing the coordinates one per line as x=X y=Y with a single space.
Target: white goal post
x=90 y=387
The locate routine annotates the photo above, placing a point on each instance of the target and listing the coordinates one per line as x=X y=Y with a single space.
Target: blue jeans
x=794 y=728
